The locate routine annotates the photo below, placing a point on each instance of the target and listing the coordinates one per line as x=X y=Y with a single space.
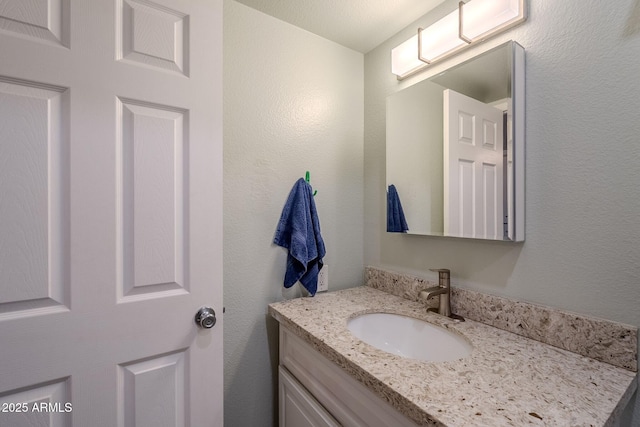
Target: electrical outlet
x=323 y=279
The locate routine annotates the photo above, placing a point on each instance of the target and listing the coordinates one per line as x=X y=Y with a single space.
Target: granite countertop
x=508 y=380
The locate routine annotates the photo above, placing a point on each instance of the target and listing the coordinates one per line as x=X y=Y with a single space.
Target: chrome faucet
x=444 y=291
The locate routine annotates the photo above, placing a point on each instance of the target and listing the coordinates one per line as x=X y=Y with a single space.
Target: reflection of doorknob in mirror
x=416 y=151
x=206 y=318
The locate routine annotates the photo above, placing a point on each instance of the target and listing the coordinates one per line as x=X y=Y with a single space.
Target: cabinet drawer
x=298 y=408
x=351 y=403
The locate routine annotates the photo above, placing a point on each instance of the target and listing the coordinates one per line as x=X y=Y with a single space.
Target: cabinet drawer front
x=298 y=408
x=350 y=402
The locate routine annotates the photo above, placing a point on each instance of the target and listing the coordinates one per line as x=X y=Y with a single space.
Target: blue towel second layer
x=396 y=222
x=299 y=231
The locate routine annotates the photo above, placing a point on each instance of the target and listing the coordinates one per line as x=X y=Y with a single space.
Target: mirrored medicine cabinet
x=455 y=148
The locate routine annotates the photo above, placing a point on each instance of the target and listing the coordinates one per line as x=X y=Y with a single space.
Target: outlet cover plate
x=323 y=279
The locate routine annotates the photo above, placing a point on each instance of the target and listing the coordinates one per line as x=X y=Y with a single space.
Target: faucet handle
x=444 y=275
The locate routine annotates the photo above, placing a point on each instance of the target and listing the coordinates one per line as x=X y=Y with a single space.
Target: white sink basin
x=408 y=337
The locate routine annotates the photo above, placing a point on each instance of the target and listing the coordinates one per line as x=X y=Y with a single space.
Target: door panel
x=43 y=21
x=110 y=211
x=39 y=405
x=152 y=149
x=152 y=392
x=33 y=184
x=152 y=34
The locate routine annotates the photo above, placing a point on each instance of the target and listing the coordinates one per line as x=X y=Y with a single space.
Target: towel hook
x=306 y=178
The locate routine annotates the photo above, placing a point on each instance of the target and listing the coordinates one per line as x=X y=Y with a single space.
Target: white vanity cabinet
x=313 y=391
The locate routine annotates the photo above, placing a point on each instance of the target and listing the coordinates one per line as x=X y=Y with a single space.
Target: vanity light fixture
x=473 y=21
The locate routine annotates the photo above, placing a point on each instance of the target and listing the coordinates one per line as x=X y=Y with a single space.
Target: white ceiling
x=358 y=24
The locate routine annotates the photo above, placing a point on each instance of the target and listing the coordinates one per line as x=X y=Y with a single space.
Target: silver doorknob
x=206 y=318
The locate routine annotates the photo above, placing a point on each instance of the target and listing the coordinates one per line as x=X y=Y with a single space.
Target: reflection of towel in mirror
x=396 y=222
x=299 y=231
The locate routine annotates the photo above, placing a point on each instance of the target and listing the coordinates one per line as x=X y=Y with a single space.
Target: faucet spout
x=432 y=292
x=444 y=291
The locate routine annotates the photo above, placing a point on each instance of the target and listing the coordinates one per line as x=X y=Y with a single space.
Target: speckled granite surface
x=600 y=339
x=508 y=380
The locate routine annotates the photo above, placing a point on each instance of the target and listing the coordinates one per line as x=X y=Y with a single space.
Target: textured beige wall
x=582 y=250
x=292 y=102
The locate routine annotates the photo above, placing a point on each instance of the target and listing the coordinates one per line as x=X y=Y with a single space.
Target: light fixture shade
x=481 y=18
x=440 y=38
x=473 y=21
x=404 y=58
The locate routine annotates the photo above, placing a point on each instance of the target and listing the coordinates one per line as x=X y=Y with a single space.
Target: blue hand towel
x=396 y=222
x=299 y=232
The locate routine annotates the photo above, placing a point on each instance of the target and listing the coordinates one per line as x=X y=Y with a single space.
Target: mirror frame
x=518 y=95
x=517 y=113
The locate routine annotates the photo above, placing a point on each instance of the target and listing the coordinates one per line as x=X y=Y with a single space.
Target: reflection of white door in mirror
x=473 y=168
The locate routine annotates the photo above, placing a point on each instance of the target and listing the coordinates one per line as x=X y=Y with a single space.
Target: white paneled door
x=473 y=168
x=110 y=212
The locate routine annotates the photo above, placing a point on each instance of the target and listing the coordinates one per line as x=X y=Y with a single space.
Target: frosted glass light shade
x=440 y=38
x=481 y=18
x=404 y=58
x=473 y=21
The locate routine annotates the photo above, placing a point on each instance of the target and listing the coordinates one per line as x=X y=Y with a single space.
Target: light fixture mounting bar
x=420 y=57
x=460 y=24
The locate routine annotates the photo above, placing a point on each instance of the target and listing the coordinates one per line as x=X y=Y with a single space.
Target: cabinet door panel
x=298 y=408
